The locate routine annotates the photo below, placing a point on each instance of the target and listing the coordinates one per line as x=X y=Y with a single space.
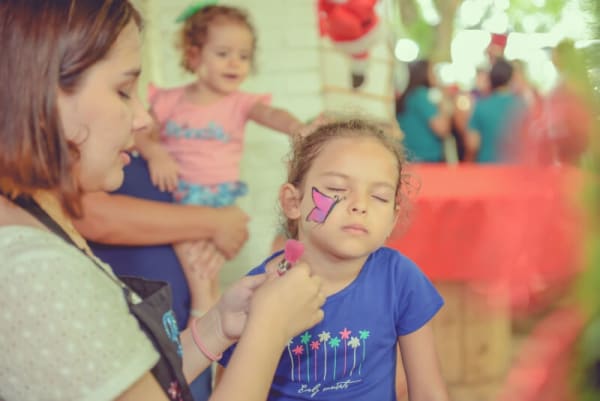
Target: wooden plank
x=487 y=338
x=448 y=331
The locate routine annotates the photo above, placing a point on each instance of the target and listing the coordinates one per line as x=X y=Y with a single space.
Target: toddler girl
x=201 y=126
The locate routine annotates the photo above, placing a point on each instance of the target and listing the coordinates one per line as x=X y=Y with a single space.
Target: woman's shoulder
x=31 y=249
x=43 y=276
x=27 y=240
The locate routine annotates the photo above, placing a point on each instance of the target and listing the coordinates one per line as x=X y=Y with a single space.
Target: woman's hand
x=292 y=302
x=234 y=304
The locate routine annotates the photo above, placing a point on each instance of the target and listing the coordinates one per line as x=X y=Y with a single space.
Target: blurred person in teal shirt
x=494 y=116
x=421 y=116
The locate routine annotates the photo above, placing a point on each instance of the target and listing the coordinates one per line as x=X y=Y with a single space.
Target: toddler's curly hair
x=195 y=29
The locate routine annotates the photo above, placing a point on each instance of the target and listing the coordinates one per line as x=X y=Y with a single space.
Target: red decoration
x=352 y=26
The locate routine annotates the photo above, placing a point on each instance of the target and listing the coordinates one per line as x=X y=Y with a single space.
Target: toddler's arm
x=164 y=170
x=274 y=118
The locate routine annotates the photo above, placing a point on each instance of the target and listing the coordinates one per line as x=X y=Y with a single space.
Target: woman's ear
x=289 y=199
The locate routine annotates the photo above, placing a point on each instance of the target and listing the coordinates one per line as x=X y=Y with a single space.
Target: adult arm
x=437 y=114
x=285 y=305
x=441 y=123
x=125 y=220
x=473 y=137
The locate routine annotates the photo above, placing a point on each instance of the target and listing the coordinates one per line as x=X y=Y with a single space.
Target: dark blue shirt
x=150 y=262
x=351 y=354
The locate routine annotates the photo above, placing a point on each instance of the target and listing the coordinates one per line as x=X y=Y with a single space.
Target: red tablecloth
x=494 y=221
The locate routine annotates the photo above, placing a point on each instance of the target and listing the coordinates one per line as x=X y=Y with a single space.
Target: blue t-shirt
x=492 y=118
x=420 y=141
x=351 y=354
x=150 y=262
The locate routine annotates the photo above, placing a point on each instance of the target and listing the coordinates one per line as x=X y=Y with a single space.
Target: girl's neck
x=202 y=94
x=336 y=273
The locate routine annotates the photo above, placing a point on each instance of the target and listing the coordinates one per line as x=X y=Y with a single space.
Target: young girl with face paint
x=341 y=202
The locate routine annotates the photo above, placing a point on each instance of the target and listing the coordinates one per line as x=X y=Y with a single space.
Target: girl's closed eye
x=335 y=189
x=380 y=198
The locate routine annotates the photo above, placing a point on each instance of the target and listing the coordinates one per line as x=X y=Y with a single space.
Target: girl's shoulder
x=391 y=256
x=269 y=265
x=394 y=262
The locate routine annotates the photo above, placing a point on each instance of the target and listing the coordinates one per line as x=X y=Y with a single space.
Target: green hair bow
x=193 y=9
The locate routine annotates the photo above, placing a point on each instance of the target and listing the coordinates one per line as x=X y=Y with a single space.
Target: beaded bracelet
x=201 y=345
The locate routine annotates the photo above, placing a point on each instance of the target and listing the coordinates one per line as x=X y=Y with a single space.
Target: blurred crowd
x=503 y=117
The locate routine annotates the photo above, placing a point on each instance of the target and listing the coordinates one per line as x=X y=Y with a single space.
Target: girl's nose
x=359 y=210
x=358 y=203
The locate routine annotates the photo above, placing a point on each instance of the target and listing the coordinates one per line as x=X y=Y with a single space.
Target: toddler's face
x=226 y=58
x=360 y=177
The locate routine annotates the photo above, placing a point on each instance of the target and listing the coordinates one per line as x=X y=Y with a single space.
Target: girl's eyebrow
x=346 y=177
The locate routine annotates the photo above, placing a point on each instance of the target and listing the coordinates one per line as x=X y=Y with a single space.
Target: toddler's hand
x=164 y=171
x=307 y=129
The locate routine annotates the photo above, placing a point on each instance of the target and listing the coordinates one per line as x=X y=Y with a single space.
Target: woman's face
x=104 y=112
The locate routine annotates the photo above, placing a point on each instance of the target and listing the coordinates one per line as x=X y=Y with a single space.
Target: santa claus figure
x=353 y=27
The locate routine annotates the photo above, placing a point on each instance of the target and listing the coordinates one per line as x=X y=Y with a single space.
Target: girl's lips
x=355 y=228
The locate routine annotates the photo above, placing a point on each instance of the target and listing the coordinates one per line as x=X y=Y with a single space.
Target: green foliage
x=587 y=355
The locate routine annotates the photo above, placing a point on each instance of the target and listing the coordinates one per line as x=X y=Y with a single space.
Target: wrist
x=203 y=221
x=208 y=329
x=258 y=322
x=154 y=150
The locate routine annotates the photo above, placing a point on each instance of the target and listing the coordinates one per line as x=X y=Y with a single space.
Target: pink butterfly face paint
x=323 y=206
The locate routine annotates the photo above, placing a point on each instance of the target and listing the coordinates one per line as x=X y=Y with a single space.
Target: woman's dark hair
x=418 y=75
x=47 y=47
x=500 y=74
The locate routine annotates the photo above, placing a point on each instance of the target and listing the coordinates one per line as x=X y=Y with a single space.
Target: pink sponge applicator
x=292 y=253
x=293 y=250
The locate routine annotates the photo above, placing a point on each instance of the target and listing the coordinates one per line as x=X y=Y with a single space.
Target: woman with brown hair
x=71 y=330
